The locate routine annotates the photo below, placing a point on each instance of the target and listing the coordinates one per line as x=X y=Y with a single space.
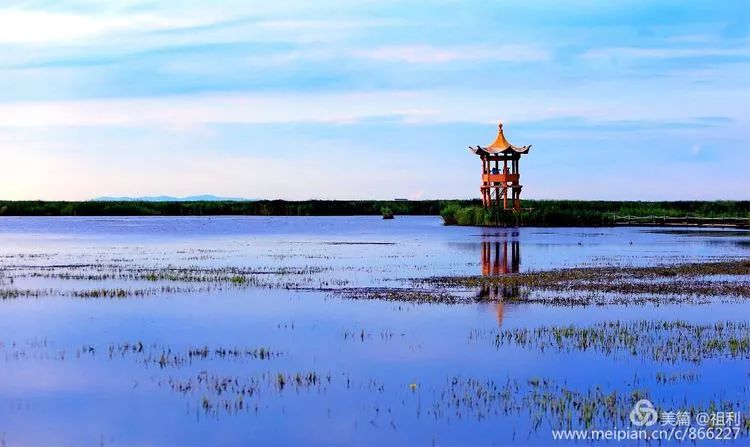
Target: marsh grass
x=401 y=295
x=691 y=282
x=543 y=402
x=592 y=285
x=572 y=213
x=552 y=405
x=660 y=341
x=150 y=281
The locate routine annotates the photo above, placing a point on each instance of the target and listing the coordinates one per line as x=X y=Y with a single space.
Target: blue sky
x=372 y=99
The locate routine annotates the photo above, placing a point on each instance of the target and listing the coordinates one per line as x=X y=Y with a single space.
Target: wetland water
x=269 y=331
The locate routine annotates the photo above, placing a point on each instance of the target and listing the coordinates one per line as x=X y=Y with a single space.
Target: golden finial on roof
x=502 y=145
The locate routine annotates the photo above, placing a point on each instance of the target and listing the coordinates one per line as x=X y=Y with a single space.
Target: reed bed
x=659 y=341
x=146 y=354
x=543 y=402
x=688 y=282
x=588 y=285
x=549 y=404
x=576 y=213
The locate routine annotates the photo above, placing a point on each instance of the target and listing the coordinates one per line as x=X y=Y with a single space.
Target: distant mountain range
x=202 y=197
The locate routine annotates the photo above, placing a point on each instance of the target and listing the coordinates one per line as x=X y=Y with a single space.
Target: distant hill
x=202 y=198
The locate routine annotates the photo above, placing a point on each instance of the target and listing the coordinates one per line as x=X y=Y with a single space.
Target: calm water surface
x=118 y=371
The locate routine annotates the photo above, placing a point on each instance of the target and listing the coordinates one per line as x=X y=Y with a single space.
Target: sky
x=300 y=99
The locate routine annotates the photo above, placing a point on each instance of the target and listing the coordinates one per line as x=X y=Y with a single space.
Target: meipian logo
x=643 y=414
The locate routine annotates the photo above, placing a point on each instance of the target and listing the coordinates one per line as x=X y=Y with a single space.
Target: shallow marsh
x=218 y=330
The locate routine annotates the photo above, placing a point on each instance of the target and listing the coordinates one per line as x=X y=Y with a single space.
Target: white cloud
x=186 y=111
x=409 y=54
x=20 y=26
x=606 y=54
x=116 y=25
x=428 y=106
x=195 y=110
x=416 y=54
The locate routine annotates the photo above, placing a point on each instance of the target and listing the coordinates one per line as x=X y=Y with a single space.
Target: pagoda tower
x=501 y=179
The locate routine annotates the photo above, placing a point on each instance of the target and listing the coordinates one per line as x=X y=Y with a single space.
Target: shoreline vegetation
x=579 y=213
x=453 y=212
x=228 y=208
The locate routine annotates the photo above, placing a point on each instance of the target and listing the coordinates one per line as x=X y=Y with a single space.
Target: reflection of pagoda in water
x=497 y=262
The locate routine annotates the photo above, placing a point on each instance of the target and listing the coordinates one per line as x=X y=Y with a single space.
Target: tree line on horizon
x=459 y=212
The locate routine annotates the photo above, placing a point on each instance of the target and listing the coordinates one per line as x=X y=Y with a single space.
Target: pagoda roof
x=500 y=145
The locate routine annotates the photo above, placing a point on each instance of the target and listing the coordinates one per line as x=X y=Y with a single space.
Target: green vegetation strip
x=227 y=208
x=662 y=341
x=566 y=213
x=454 y=212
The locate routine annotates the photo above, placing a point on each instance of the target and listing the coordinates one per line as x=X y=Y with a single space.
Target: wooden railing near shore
x=723 y=222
